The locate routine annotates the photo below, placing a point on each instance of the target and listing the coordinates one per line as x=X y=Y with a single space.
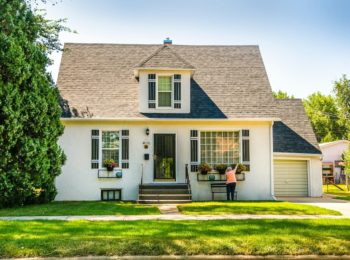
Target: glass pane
x=164 y=83
x=110 y=154
x=110 y=139
x=164 y=99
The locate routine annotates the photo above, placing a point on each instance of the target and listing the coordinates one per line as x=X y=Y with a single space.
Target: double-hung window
x=165 y=92
x=110 y=146
x=219 y=147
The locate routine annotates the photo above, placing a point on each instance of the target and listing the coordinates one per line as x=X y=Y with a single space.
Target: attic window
x=164 y=91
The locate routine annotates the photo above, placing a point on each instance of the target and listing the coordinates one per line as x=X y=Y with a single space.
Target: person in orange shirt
x=231 y=182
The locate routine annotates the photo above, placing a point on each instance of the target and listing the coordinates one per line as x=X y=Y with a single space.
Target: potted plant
x=221 y=168
x=109 y=164
x=204 y=168
x=240 y=168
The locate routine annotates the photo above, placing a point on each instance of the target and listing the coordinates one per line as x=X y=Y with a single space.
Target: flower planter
x=110 y=168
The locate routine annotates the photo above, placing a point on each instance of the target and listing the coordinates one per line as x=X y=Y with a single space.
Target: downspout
x=271 y=163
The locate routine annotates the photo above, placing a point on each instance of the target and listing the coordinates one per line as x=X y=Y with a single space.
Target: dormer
x=164 y=82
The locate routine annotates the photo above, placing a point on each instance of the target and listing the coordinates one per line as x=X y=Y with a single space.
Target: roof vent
x=168 y=42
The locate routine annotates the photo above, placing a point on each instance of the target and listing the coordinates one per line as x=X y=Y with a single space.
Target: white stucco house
x=332 y=152
x=160 y=110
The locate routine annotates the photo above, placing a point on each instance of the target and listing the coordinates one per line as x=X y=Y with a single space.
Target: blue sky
x=305 y=44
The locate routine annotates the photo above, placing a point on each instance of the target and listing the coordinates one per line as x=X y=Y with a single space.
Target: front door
x=164 y=157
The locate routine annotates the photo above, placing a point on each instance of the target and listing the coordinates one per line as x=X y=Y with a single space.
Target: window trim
x=229 y=130
x=100 y=148
x=172 y=90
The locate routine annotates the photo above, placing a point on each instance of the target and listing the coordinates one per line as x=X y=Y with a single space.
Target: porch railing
x=187 y=177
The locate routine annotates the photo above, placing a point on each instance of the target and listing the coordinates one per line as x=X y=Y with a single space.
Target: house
x=161 y=110
x=332 y=152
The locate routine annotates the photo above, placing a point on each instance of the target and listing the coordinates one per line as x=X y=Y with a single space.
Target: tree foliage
x=281 y=95
x=342 y=94
x=324 y=117
x=30 y=126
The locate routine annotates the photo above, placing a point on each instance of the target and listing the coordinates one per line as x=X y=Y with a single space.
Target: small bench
x=218 y=188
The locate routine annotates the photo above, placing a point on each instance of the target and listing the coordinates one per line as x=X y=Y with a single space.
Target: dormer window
x=164 y=91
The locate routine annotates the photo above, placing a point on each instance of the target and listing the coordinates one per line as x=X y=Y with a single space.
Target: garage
x=291 y=178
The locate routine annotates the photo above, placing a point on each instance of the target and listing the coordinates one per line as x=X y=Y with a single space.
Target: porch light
x=147 y=131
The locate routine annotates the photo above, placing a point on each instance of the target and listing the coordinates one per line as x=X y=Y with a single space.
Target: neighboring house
x=332 y=152
x=160 y=110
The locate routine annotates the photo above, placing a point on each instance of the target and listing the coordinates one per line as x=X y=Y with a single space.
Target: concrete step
x=163 y=201
x=165 y=197
x=164 y=191
x=164 y=186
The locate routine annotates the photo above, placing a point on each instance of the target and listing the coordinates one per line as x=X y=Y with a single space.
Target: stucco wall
x=79 y=182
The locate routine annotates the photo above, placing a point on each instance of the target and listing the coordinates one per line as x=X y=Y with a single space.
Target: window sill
x=218 y=177
x=117 y=173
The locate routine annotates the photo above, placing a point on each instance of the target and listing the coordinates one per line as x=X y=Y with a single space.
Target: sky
x=305 y=44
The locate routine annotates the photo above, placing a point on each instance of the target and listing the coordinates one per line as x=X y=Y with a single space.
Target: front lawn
x=339 y=194
x=251 y=207
x=81 y=208
x=223 y=237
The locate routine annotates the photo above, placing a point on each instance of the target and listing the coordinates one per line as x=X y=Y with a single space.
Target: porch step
x=165 y=196
x=163 y=186
x=163 y=201
x=164 y=193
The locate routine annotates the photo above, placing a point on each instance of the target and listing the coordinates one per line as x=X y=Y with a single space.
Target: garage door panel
x=290 y=178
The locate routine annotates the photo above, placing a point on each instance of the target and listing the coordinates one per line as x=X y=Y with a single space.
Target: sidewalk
x=171 y=217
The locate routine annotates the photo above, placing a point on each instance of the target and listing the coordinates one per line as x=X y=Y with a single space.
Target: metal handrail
x=141 y=181
x=187 y=179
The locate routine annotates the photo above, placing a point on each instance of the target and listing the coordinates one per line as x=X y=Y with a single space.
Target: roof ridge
x=154 y=44
x=142 y=63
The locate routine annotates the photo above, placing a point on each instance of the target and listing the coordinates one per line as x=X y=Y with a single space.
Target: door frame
x=158 y=180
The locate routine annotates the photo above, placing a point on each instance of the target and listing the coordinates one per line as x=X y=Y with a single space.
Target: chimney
x=167 y=42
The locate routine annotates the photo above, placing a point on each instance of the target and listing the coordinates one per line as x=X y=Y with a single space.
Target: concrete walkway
x=326 y=201
x=171 y=217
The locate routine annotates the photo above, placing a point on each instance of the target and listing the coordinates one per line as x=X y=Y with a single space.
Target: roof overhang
x=144 y=119
x=139 y=69
x=295 y=155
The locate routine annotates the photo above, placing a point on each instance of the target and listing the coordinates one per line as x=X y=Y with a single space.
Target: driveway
x=342 y=206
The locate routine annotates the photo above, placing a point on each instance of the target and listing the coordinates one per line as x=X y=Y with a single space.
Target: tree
x=346 y=158
x=342 y=93
x=29 y=109
x=281 y=95
x=324 y=117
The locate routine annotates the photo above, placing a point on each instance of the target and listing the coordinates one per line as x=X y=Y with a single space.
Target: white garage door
x=290 y=178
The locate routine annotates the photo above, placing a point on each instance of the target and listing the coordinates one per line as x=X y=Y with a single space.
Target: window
x=110 y=146
x=164 y=91
x=219 y=147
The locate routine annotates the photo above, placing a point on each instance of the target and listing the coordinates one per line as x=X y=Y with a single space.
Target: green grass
x=80 y=208
x=256 y=208
x=224 y=237
x=339 y=194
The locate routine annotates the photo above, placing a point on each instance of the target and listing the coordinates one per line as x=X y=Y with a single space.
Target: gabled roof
x=294 y=133
x=165 y=57
x=229 y=82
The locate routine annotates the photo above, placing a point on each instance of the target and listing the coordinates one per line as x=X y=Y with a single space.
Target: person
x=231 y=182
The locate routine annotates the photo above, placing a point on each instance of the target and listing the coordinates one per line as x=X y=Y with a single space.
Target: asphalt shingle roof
x=294 y=133
x=229 y=81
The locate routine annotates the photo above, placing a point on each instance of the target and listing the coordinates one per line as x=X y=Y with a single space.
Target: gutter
x=279 y=154
x=136 y=119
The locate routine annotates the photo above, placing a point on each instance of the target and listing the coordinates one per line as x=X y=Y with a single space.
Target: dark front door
x=164 y=156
